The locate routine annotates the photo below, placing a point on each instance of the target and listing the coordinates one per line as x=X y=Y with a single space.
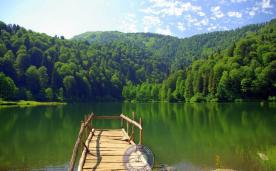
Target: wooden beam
x=122 y=123
x=127 y=127
x=141 y=132
x=87 y=122
x=76 y=147
x=75 y=150
x=131 y=121
x=125 y=134
x=107 y=117
x=132 y=129
x=84 y=152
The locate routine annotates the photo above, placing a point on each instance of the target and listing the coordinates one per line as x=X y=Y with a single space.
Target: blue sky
x=179 y=18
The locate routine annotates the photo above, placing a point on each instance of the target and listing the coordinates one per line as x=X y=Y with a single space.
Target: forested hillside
x=178 y=52
x=247 y=70
x=139 y=66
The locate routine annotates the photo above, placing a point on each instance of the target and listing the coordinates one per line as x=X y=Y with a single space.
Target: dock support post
x=85 y=128
x=122 y=123
x=127 y=127
x=132 y=129
x=141 y=132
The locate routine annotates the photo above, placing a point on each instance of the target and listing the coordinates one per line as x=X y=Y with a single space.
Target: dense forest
x=227 y=65
x=245 y=70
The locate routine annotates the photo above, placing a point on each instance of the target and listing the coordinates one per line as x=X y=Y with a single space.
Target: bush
x=8 y=88
x=198 y=98
x=239 y=100
x=272 y=98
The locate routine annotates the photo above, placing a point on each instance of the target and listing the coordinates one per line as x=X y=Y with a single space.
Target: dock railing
x=87 y=127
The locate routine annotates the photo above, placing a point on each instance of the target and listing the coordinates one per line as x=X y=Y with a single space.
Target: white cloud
x=162 y=3
x=211 y=28
x=203 y=22
x=221 y=1
x=180 y=26
x=238 y=1
x=166 y=31
x=234 y=14
x=217 y=12
x=171 y=8
x=177 y=8
x=253 y=11
x=200 y=13
x=129 y=24
x=263 y=6
x=214 y=27
x=213 y=18
x=195 y=16
x=150 y=10
x=190 y=19
x=165 y=7
x=150 y=22
x=225 y=28
x=266 y=4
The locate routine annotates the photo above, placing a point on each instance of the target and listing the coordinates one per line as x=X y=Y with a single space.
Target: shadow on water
x=198 y=136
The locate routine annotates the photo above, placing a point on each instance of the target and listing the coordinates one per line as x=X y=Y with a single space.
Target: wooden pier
x=103 y=149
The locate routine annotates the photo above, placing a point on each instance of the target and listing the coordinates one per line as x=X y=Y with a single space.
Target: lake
x=198 y=136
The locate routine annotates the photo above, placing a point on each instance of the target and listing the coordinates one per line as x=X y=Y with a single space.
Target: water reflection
x=199 y=136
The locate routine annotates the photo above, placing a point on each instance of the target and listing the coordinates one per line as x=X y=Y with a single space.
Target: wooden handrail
x=87 y=122
x=134 y=123
x=77 y=144
x=107 y=117
x=131 y=121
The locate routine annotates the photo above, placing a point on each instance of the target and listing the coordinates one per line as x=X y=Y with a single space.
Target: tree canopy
x=138 y=66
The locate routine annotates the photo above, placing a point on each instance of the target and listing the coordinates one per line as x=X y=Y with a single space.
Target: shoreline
x=27 y=103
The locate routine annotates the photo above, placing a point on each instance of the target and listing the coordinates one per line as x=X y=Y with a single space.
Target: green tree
x=163 y=92
x=43 y=76
x=3 y=49
x=188 y=87
x=246 y=86
x=6 y=64
x=155 y=92
x=22 y=60
x=178 y=93
x=8 y=88
x=36 y=56
x=223 y=87
x=60 y=94
x=169 y=95
x=33 y=80
x=69 y=84
x=49 y=94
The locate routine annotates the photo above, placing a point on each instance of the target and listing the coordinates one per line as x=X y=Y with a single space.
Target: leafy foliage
x=137 y=66
x=246 y=71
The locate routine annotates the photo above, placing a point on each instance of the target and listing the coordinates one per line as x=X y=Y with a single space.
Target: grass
x=23 y=103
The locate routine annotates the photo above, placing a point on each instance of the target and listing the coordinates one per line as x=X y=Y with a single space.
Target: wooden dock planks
x=106 y=150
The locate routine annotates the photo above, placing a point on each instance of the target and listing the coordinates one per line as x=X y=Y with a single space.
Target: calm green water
x=186 y=136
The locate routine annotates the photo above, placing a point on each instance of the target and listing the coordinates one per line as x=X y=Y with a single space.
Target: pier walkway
x=104 y=149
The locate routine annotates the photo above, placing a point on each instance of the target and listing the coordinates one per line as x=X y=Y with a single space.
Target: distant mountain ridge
x=185 y=49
